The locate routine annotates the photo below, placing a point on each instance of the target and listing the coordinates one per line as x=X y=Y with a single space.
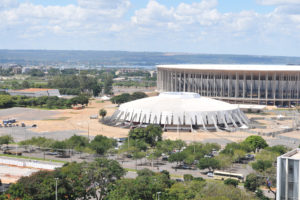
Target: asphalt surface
x=23 y=133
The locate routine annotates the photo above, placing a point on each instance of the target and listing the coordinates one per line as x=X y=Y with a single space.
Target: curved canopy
x=180 y=108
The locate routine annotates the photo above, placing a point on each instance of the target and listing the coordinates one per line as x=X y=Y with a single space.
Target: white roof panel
x=233 y=67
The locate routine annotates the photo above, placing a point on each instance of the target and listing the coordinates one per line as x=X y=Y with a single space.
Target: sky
x=252 y=27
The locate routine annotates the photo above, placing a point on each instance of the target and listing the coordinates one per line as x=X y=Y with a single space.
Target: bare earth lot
x=61 y=124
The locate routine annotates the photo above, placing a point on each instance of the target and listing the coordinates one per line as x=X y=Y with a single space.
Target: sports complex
x=180 y=110
x=251 y=84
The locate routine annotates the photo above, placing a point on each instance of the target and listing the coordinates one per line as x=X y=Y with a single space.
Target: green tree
x=58 y=145
x=178 y=157
x=102 y=174
x=232 y=182
x=102 y=113
x=123 y=98
x=255 y=142
x=25 y=84
x=152 y=134
x=262 y=165
x=38 y=186
x=77 y=142
x=108 y=81
x=252 y=182
x=188 y=177
x=138 y=95
x=101 y=144
x=145 y=186
x=6 y=139
x=6 y=101
x=208 y=163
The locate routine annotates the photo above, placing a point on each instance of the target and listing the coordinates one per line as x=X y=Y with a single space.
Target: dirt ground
x=79 y=121
x=10 y=174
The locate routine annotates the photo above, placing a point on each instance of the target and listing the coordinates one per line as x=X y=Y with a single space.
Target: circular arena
x=254 y=84
x=179 y=110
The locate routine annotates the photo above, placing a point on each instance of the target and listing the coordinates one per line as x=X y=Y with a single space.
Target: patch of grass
x=57 y=119
x=45 y=108
x=74 y=113
x=130 y=170
x=32 y=158
x=101 y=101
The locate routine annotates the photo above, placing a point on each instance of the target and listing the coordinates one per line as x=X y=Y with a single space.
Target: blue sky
x=256 y=27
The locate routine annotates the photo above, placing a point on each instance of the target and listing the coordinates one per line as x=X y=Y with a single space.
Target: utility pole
x=89 y=131
x=56 y=179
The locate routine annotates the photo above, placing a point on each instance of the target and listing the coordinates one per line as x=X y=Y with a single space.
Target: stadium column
x=184 y=82
x=221 y=85
x=176 y=81
x=266 y=88
x=258 y=93
x=297 y=82
x=172 y=81
x=244 y=85
x=188 y=82
x=207 y=85
x=236 y=86
x=214 y=94
x=274 y=88
x=228 y=88
x=201 y=84
x=282 y=88
x=251 y=86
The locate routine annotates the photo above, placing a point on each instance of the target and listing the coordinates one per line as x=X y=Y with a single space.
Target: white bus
x=219 y=175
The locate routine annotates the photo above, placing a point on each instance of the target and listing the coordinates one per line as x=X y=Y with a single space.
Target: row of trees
x=100 y=144
x=71 y=84
x=7 y=101
x=102 y=179
x=126 y=97
x=75 y=181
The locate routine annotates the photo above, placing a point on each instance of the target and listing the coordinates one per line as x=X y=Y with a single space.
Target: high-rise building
x=288 y=171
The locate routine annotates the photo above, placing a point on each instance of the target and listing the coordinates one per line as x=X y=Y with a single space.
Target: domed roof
x=180 y=108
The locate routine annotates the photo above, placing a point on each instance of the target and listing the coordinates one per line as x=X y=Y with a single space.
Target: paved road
x=23 y=133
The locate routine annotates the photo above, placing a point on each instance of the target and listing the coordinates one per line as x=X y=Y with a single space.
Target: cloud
x=69 y=19
x=278 y=2
x=197 y=26
x=4 y=4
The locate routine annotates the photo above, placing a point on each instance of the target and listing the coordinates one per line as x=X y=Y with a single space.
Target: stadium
x=251 y=84
x=180 y=110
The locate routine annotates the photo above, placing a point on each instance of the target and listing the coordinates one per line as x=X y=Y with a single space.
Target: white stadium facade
x=180 y=110
x=251 y=84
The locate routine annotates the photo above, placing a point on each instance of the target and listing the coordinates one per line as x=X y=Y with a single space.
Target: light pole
x=56 y=179
x=158 y=193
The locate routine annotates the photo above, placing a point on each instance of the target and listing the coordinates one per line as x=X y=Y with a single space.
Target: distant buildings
x=288 y=171
x=34 y=92
x=14 y=68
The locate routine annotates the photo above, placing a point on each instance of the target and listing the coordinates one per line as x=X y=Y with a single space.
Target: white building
x=34 y=92
x=181 y=109
x=288 y=171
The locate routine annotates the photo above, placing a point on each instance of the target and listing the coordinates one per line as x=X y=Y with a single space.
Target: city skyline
x=255 y=27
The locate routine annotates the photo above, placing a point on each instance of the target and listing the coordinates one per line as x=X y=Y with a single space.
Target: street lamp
x=56 y=179
x=158 y=193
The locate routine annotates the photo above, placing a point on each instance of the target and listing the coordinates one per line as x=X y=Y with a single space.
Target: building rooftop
x=34 y=90
x=233 y=67
x=294 y=154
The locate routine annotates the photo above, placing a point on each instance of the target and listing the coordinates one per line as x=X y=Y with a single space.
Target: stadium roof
x=233 y=67
x=179 y=108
